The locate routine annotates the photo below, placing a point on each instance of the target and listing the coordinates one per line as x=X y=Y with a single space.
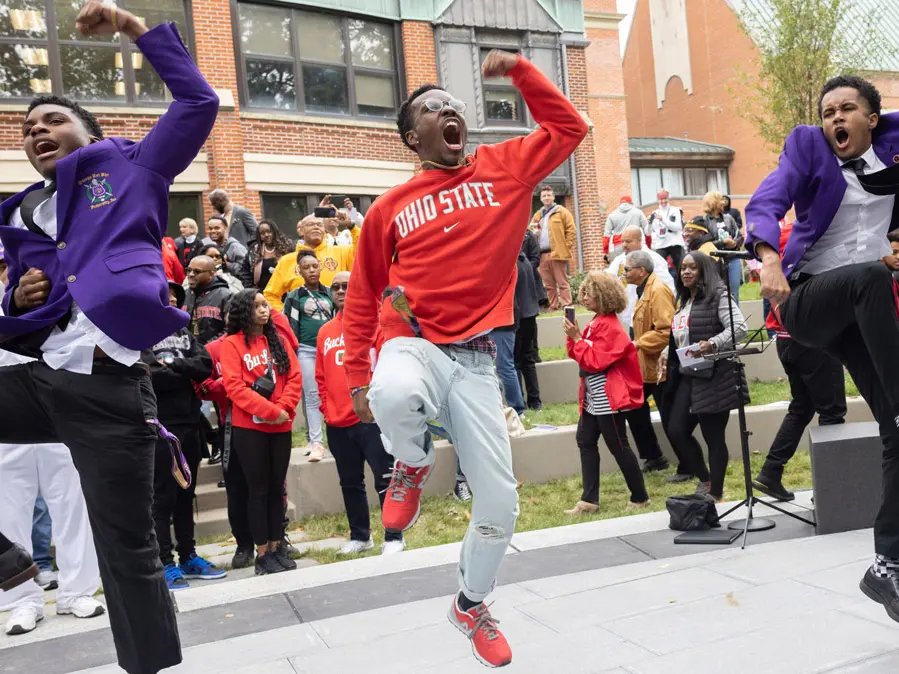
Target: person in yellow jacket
x=554 y=226
x=332 y=259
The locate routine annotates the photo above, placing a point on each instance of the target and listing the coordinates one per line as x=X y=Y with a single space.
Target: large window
x=41 y=52
x=680 y=182
x=288 y=209
x=502 y=102
x=317 y=63
x=184 y=205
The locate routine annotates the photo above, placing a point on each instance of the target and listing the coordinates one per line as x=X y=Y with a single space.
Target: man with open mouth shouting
x=87 y=292
x=437 y=362
x=833 y=288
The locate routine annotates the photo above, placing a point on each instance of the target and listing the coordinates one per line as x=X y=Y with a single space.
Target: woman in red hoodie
x=262 y=379
x=611 y=382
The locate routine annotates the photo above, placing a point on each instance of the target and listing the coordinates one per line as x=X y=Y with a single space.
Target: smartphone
x=338 y=199
x=569 y=314
x=325 y=212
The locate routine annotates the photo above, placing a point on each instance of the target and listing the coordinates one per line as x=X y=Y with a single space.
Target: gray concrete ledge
x=538 y=456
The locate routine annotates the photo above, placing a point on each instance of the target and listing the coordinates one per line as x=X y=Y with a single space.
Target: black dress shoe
x=773 y=487
x=652 y=465
x=16 y=567
x=884 y=591
x=679 y=477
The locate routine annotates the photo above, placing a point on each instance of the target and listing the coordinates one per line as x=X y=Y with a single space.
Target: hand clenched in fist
x=96 y=18
x=32 y=291
x=498 y=63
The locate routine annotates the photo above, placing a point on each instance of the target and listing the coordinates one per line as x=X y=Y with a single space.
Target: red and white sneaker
x=487 y=643
x=402 y=503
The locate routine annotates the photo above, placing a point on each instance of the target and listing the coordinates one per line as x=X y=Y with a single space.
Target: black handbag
x=699 y=372
x=692 y=512
x=265 y=385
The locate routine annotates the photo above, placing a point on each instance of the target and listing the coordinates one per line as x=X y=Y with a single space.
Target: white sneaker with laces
x=24 y=619
x=393 y=547
x=316 y=452
x=81 y=607
x=356 y=547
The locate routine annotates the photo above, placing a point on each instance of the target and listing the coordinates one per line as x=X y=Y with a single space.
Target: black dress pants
x=816 y=385
x=713 y=426
x=851 y=312
x=238 y=494
x=640 y=421
x=101 y=418
x=676 y=253
x=173 y=507
x=526 y=359
x=353 y=447
x=612 y=429
x=265 y=458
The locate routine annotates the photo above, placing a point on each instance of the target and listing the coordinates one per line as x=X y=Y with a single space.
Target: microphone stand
x=750 y=522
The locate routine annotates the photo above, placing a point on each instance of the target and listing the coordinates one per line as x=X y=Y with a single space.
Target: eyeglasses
x=196 y=272
x=437 y=104
x=340 y=286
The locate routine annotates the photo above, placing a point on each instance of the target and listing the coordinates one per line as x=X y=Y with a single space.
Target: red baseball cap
x=627 y=199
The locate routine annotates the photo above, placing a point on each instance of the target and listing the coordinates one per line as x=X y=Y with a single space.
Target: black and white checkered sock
x=884 y=567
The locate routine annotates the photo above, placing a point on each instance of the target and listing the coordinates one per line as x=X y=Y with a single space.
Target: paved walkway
x=601 y=597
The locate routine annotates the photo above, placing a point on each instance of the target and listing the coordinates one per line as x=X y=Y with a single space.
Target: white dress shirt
x=858 y=232
x=72 y=349
x=660 y=269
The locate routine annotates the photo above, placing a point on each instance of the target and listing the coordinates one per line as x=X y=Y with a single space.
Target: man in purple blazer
x=833 y=287
x=87 y=292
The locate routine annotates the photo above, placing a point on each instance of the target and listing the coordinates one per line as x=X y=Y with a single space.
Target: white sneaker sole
x=451 y=616
x=16 y=630
x=98 y=611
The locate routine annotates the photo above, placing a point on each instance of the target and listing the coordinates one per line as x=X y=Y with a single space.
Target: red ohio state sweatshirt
x=242 y=365
x=451 y=237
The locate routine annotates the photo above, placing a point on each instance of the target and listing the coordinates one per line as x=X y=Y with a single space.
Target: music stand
x=750 y=522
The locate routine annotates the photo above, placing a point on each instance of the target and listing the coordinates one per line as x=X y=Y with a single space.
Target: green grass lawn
x=750 y=291
x=444 y=520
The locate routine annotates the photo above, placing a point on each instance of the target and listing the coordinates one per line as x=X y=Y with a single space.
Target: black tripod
x=750 y=523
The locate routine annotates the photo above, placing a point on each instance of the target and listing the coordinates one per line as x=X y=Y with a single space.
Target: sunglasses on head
x=340 y=286
x=437 y=104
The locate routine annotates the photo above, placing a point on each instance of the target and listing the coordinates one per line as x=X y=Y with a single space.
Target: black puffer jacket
x=207 y=310
x=175 y=364
x=719 y=393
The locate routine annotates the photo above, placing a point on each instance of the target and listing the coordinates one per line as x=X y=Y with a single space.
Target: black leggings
x=614 y=432
x=264 y=458
x=713 y=426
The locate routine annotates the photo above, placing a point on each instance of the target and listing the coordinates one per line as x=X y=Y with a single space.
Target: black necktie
x=856 y=165
x=30 y=203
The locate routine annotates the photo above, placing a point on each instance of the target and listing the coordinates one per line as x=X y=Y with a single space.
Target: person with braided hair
x=263 y=382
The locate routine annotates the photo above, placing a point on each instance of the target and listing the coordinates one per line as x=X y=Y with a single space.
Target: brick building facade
x=682 y=69
x=309 y=91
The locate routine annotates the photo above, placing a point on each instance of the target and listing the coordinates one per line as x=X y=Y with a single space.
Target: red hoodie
x=336 y=403
x=451 y=237
x=605 y=347
x=242 y=365
x=173 y=269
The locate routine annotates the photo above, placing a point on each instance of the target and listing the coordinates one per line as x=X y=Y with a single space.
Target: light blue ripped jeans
x=415 y=381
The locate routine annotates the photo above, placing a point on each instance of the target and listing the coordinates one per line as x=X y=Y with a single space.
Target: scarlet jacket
x=242 y=365
x=605 y=347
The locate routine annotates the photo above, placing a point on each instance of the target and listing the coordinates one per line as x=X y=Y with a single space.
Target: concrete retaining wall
x=538 y=457
x=559 y=379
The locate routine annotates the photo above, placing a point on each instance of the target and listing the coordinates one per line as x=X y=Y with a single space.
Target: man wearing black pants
x=816 y=385
x=352 y=442
x=834 y=287
x=529 y=291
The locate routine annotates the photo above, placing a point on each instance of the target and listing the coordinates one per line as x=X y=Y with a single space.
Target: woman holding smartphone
x=262 y=378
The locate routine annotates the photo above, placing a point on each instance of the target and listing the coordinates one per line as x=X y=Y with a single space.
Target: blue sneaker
x=174 y=578
x=197 y=567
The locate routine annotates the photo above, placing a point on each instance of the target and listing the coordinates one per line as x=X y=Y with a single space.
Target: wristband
x=355 y=390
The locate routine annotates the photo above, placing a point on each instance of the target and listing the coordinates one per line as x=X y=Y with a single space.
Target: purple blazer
x=809 y=177
x=112 y=211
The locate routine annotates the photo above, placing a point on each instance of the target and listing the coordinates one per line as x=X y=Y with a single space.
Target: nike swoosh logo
x=447 y=229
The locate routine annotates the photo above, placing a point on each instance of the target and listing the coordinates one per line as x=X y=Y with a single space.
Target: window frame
x=362 y=202
x=639 y=197
x=125 y=46
x=489 y=122
x=396 y=74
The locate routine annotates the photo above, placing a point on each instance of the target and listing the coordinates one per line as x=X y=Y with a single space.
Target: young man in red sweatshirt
x=352 y=443
x=437 y=361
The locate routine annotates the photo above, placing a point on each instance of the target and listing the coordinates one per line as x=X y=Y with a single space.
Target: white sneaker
x=316 y=452
x=355 y=547
x=24 y=619
x=81 y=607
x=48 y=580
x=393 y=547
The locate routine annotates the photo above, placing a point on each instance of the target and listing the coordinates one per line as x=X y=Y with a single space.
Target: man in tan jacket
x=652 y=331
x=555 y=231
